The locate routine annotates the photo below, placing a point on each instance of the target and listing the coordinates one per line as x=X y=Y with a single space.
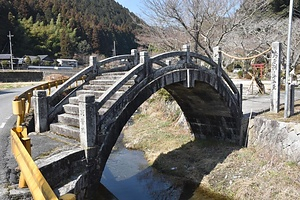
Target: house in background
x=5 y=61
x=38 y=60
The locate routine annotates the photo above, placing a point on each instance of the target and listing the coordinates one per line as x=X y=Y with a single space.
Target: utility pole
x=114 y=49
x=287 y=69
x=11 y=55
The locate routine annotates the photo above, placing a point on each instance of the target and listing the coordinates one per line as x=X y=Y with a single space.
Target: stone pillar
x=217 y=57
x=275 y=77
x=168 y=62
x=88 y=125
x=40 y=105
x=144 y=58
x=135 y=55
x=93 y=62
x=186 y=48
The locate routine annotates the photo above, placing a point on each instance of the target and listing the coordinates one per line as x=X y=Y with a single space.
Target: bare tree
x=202 y=23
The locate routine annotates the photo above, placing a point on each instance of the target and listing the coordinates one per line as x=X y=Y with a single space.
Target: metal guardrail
x=31 y=176
x=21 y=148
x=22 y=103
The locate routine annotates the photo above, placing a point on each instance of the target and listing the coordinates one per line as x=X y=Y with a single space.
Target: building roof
x=42 y=57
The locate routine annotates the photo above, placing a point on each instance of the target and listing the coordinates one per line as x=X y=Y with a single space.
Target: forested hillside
x=62 y=28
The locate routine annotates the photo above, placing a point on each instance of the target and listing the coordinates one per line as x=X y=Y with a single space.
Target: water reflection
x=128 y=176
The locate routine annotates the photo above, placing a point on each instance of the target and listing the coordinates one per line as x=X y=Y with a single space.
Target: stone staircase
x=68 y=122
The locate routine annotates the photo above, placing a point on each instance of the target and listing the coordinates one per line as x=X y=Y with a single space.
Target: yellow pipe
x=37 y=184
x=49 y=89
x=23 y=109
x=17 y=110
x=22 y=133
x=68 y=197
x=28 y=105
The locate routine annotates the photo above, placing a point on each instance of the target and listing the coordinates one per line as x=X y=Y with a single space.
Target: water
x=128 y=176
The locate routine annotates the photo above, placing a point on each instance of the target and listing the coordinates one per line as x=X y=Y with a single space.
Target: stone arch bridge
x=96 y=111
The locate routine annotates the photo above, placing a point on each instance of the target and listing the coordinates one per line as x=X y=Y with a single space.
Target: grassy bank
x=218 y=167
x=5 y=86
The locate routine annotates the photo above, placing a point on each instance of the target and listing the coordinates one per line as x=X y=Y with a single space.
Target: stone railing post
x=93 y=62
x=186 y=48
x=275 y=77
x=217 y=57
x=40 y=105
x=168 y=62
x=135 y=55
x=88 y=122
x=144 y=58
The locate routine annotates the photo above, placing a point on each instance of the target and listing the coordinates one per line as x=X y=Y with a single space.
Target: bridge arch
x=210 y=105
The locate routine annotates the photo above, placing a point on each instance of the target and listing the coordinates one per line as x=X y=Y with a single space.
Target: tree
x=65 y=45
x=202 y=23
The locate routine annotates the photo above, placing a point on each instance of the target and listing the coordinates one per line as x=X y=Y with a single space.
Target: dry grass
x=252 y=174
x=153 y=131
x=5 y=86
x=230 y=171
x=280 y=116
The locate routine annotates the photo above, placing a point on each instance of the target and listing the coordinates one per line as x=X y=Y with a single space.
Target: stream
x=128 y=176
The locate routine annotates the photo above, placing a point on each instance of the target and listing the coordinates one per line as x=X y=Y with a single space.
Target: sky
x=132 y=5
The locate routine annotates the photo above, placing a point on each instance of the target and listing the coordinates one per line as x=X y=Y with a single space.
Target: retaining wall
x=20 y=76
x=280 y=138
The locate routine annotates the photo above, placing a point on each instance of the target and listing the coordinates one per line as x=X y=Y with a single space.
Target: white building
x=67 y=62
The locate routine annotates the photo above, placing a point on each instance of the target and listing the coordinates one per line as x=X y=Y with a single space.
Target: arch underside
x=208 y=105
x=205 y=111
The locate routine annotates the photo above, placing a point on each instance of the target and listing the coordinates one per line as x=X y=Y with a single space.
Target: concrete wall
x=20 y=76
x=280 y=138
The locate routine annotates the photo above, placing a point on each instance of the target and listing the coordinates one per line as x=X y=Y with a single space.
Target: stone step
x=104 y=87
x=71 y=109
x=109 y=77
x=108 y=82
x=74 y=100
x=99 y=93
x=71 y=120
x=108 y=104
x=65 y=130
x=102 y=111
x=114 y=73
x=79 y=92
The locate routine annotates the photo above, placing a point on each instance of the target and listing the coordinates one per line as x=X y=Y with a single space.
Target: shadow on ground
x=191 y=162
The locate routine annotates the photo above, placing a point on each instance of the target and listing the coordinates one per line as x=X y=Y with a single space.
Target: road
x=7 y=120
x=6 y=98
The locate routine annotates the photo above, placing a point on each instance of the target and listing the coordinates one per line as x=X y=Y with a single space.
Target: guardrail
x=21 y=147
x=31 y=176
x=22 y=103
